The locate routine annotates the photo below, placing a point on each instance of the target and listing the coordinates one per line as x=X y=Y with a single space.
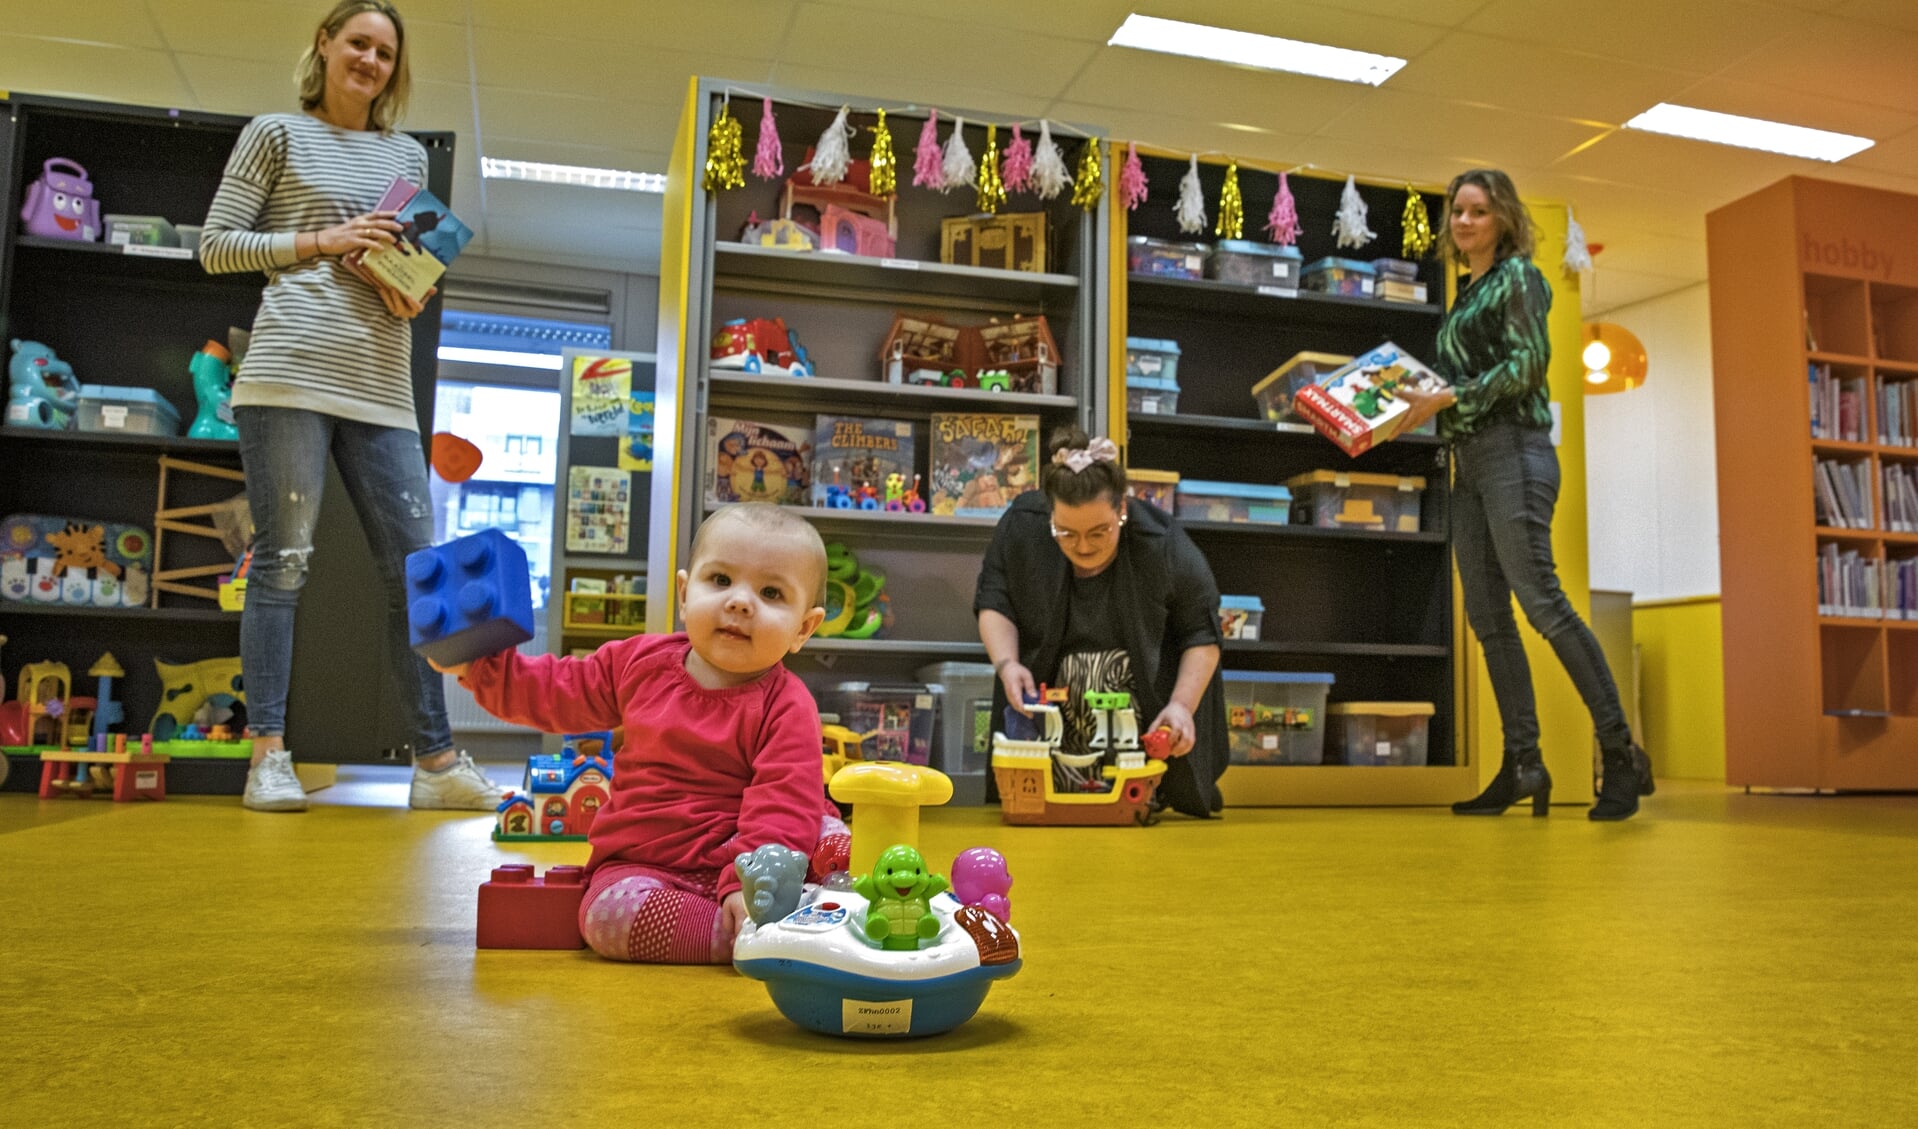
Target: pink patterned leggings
x=651 y=915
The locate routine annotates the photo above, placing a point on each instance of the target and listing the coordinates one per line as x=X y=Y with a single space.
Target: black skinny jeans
x=1504 y=490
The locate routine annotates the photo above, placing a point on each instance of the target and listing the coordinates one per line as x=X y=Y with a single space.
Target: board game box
x=855 y=451
x=981 y=462
x=764 y=460
x=1357 y=405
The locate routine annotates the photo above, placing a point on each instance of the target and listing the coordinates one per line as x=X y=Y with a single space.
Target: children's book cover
x=765 y=460
x=854 y=451
x=430 y=238
x=981 y=462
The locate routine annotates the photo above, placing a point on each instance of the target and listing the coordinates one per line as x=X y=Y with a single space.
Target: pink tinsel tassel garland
x=1132 y=186
x=768 y=162
x=1283 y=223
x=928 y=164
x=1016 y=170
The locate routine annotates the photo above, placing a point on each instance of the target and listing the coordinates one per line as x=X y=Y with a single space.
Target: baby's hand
x=456 y=671
x=732 y=914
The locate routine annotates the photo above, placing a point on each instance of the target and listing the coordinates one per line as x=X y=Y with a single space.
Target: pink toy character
x=979 y=878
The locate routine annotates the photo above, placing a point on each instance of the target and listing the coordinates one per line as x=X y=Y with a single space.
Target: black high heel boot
x=1627 y=776
x=1517 y=778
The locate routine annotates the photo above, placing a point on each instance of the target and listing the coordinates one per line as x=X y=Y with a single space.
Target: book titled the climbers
x=430 y=238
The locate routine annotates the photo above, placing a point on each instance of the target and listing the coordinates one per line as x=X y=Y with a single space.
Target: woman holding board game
x=329 y=369
x=1086 y=589
x=1493 y=349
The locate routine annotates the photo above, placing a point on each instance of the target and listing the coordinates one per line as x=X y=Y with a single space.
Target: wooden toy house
x=925 y=350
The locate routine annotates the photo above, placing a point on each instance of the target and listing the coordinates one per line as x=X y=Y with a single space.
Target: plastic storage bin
x=1241 y=616
x=140 y=231
x=1160 y=487
x=1332 y=499
x=1233 y=501
x=1249 y=263
x=1151 y=395
x=1274 y=393
x=962 y=733
x=1403 y=270
x=900 y=716
x=1350 y=277
x=1275 y=718
x=134 y=411
x=1153 y=357
x=1377 y=733
x=1165 y=257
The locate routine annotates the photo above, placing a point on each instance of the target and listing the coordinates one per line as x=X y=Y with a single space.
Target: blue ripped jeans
x=1503 y=493
x=284 y=452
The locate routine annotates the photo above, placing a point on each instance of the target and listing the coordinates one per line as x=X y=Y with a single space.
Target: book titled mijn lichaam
x=430 y=238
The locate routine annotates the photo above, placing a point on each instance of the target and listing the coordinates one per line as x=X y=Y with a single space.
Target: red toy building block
x=519 y=911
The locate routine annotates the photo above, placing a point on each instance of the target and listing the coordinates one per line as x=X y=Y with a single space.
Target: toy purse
x=60 y=205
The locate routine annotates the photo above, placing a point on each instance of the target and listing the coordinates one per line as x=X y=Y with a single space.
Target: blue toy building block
x=469 y=598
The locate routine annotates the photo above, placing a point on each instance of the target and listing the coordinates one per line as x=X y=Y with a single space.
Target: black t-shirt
x=1091 y=625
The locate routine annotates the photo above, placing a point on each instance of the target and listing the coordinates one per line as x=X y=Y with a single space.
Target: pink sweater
x=703 y=774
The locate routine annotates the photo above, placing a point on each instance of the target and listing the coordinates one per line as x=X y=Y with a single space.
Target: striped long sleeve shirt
x=322 y=340
x=1494 y=349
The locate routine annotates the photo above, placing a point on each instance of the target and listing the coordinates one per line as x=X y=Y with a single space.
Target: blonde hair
x=390 y=106
x=1517 y=234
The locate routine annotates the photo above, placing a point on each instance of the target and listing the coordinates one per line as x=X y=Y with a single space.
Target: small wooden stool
x=140 y=777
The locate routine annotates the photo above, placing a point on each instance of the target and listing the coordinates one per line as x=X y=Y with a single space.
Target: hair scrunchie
x=1077 y=459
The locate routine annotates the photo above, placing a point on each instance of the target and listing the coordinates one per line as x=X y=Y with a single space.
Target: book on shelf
x=854 y=451
x=1837 y=406
x=981 y=461
x=1897 y=414
x=1900 y=481
x=430 y=238
x=762 y=460
x=1850 y=584
x=1842 y=493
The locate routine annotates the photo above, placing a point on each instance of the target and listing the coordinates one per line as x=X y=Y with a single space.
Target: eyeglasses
x=1094 y=538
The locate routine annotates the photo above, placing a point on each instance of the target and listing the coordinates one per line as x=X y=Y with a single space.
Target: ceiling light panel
x=1246 y=49
x=1749 y=133
x=494 y=168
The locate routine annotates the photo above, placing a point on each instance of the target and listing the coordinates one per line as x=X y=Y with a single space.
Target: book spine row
x=1851 y=584
x=1898 y=414
x=1837 y=406
x=1842 y=494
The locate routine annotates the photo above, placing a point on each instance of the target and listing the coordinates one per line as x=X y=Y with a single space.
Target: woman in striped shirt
x=1494 y=349
x=329 y=369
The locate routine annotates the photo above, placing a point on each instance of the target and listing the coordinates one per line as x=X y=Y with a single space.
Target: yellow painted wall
x=1564 y=724
x=1682 y=677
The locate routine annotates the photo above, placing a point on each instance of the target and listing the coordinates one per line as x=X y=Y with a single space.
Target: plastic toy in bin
x=1274 y=393
x=1025 y=753
x=1379 y=733
x=881 y=950
x=1275 y=718
x=1332 y=499
x=1240 y=617
x=42 y=391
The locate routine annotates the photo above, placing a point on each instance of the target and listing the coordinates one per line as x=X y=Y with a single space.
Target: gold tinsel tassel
x=992 y=190
x=885 y=165
x=1418 y=225
x=725 y=162
x=1090 y=184
x=1231 y=222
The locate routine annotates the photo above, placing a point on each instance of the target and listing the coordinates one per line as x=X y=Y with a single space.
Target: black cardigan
x=1162 y=576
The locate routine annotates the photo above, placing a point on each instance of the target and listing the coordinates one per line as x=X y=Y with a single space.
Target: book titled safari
x=430 y=238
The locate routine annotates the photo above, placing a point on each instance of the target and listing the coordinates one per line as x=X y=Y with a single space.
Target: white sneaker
x=272 y=786
x=461 y=787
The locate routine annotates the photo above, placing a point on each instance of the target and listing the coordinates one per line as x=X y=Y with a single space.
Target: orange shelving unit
x=1809 y=273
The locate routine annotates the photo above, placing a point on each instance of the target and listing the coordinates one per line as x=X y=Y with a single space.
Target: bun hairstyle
x=1100 y=476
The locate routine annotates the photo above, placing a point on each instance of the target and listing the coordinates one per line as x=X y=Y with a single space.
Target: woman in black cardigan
x=1088 y=589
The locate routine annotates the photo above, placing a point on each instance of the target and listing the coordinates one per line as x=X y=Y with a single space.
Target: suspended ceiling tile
x=1211 y=92
x=1718 y=173
x=1818 y=111
x=88 y=70
x=1438 y=13
x=1865 y=62
x=1896 y=155
x=739 y=29
x=117 y=23
x=1369 y=161
x=901 y=91
x=1159 y=131
x=515 y=60
x=1091 y=21
x=261 y=32
x=441 y=105
x=1422 y=123
x=570 y=119
x=1699 y=36
x=1541 y=80
x=1901 y=14
x=1028 y=64
x=1610 y=288
x=240 y=86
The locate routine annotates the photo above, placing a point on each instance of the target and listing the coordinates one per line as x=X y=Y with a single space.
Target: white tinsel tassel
x=958 y=165
x=1349 y=224
x=1049 y=175
x=1578 y=256
x=831 y=156
x=1190 y=209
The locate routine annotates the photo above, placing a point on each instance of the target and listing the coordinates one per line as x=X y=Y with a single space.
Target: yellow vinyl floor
x=1723 y=960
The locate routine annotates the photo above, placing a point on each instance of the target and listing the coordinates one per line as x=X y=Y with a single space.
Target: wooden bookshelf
x=1808 y=273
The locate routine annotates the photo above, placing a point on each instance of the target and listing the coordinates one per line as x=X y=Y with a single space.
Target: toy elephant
x=42 y=390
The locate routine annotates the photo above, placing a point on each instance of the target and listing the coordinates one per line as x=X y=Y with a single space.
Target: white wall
x=1651 y=467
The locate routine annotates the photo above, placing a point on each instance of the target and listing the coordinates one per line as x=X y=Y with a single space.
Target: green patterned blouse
x=1494 y=349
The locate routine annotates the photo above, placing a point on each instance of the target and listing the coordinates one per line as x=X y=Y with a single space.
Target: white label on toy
x=894 y=1017
x=900 y=264
x=146 y=779
x=1365 y=287
x=1268 y=741
x=1384 y=750
x=121 y=237
x=152 y=252
x=1279 y=291
x=113 y=415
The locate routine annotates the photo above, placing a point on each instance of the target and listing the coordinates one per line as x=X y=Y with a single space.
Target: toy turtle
x=901 y=890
